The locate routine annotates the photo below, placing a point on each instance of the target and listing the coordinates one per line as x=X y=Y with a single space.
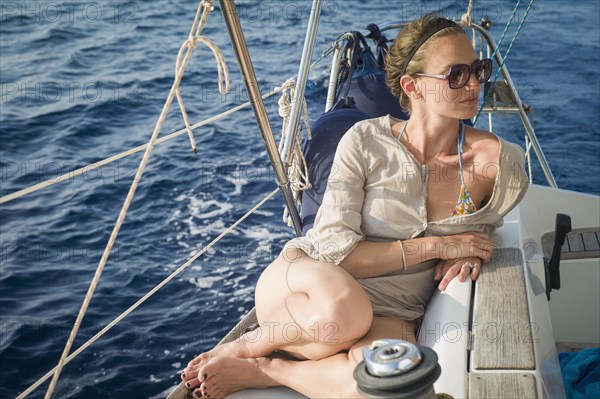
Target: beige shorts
x=404 y=295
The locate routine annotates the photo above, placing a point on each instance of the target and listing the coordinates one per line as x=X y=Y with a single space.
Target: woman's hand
x=466 y=245
x=450 y=268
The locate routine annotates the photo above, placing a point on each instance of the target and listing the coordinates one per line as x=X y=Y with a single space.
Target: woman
x=389 y=229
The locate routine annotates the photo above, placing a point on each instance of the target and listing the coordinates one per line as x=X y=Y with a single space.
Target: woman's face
x=436 y=94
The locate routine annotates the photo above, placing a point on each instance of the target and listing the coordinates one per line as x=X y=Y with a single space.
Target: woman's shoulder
x=484 y=143
x=490 y=147
x=503 y=163
x=369 y=127
x=492 y=150
x=485 y=148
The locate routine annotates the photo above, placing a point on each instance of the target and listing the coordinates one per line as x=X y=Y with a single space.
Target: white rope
x=205 y=7
x=106 y=161
x=148 y=295
x=466 y=19
x=297 y=170
x=223 y=74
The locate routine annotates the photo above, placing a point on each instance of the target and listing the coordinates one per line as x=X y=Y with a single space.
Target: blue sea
x=81 y=81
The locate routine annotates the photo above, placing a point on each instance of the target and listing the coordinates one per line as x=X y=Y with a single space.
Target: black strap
x=381 y=41
x=358 y=53
x=445 y=23
x=376 y=35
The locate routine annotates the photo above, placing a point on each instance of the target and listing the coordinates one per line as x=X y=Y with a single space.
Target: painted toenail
x=205 y=376
x=187 y=384
x=183 y=375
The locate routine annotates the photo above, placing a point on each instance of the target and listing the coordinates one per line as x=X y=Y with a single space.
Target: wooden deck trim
x=503 y=337
x=502 y=385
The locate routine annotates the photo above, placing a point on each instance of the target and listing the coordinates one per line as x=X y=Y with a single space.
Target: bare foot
x=229 y=374
x=235 y=349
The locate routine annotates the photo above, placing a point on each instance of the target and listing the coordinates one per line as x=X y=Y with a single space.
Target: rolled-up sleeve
x=337 y=227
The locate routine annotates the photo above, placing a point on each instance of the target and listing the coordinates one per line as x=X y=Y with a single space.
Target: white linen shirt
x=377 y=191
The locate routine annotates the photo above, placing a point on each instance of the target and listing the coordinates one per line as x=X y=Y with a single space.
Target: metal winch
x=397 y=369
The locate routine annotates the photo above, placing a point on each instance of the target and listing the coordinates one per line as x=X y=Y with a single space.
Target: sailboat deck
x=579 y=244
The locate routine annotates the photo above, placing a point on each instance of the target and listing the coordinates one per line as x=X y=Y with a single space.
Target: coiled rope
x=106 y=161
x=190 y=45
x=466 y=19
x=297 y=170
x=143 y=299
x=204 y=8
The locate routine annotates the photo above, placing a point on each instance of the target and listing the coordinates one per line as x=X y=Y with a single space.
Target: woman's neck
x=431 y=136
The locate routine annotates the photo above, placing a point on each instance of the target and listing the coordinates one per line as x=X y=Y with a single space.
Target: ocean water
x=81 y=81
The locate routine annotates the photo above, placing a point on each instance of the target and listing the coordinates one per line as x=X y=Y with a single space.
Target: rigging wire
x=204 y=8
x=512 y=42
x=181 y=65
x=143 y=299
x=106 y=161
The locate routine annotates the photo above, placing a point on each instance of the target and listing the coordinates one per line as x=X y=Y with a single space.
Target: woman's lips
x=469 y=101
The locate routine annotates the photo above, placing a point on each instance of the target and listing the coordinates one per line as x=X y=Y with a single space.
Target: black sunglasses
x=460 y=74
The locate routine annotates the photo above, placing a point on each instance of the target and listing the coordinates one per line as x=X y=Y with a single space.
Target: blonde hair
x=404 y=43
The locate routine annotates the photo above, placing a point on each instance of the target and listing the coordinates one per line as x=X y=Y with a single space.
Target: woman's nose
x=473 y=83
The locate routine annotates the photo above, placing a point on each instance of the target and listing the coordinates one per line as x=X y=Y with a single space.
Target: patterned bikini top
x=464 y=205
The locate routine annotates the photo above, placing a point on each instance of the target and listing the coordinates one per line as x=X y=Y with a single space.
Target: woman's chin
x=468 y=112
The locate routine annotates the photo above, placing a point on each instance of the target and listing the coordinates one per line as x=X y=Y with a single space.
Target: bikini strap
x=461 y=141
x=402 y=132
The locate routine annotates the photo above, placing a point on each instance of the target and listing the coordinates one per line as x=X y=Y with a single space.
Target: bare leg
x=331 y=377
x=308 y=308
x=311 y=309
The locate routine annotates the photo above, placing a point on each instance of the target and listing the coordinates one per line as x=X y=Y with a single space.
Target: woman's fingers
x=439 y=268
x=484 y=253
x=472 y=244
x=460 y=268
x=449 y=274
x=476 y=269
x=464 y=271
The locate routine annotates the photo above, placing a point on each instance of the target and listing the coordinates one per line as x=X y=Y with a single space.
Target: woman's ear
x=409 y=86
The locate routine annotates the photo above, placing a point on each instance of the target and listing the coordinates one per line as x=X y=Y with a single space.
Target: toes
x=190 y=371
x=198 y=359
x=205 y=387
x=192 y=379
x=188 y=374
x=212 y=389
x=192 y=383
x=203 y=391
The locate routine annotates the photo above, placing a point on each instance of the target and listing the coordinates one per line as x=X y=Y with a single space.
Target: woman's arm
x=372 y=259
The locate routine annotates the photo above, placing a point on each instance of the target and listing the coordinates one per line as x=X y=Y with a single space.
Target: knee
x=272 y=276
x=346 y=315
